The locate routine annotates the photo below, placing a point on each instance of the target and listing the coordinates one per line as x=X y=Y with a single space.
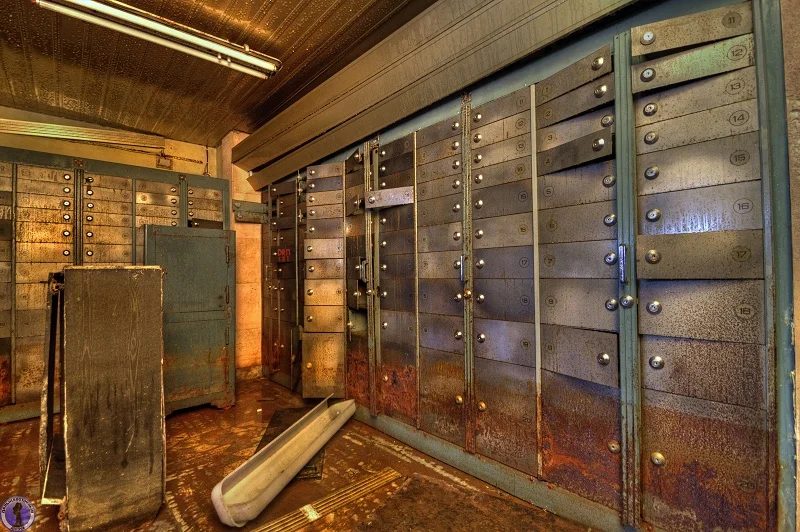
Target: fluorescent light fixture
x=241 y=59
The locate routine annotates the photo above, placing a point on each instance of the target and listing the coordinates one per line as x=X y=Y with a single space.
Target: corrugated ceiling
x=64 y=67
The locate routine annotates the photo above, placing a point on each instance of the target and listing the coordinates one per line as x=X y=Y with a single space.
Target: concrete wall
x=248 y=265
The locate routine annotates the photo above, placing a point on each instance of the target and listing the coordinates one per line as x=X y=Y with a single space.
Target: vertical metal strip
x=777 y=246
x=537 y=317
x=630 y=372
x=227 y=200
x=134 y=232
x=345 y=310
x=14 y=169
x=183 y=212
x=295 y=349
x=418 y=412
x=373 y=287
x=470 y=410
x=77 y=226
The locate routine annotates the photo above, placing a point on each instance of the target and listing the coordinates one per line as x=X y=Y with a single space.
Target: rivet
x=480 y=263
x=477 y=117
x=456 y=207
x=614 y=447
x=609 y=180
x=656 y=362
x=479 y=178
x=651 y=137
x=598 y=144
x=604 y=359
x=478 y=158
x=384 y=267
x=458 y=335
x=310 y=230
x=610 y=258
x=478 y=137
x=479 y=204
x=653 y=215
x=597 y=63
x=479 y=233
x=657 y=459
x=481 y=337
x=456 y=183
x=456 y=236
x=481 y=298
x=654 y=307
x=384 y=325
x=652 y=256
x=88 y=233
x=610 y=220
x=383 y=152
x=600 y=91
x=648 y=74
x=612 y=304
x=90 y=253
x=626 y=302
x=651 y=172
x=650 y=109
x=607 y=120
x=647 y=38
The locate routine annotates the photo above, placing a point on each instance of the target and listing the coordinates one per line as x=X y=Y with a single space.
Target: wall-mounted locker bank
x=570 y=290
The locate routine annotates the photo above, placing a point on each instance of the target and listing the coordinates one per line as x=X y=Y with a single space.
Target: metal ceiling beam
x=85 y=134
x=450 y=46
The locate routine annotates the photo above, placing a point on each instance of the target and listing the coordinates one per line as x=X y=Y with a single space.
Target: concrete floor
x=205 y=444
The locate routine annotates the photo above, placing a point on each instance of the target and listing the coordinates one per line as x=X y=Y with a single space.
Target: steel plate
x=325 y=211
x=579 y=303
x=114 y=194
x=324 y=170
x=323 y=364
x=594 y=65
x=508 y=105
x=329 y=228
x=503 y=263
x=504 y=129
x=585 y=184
x=438 y=169
x=37 y=232
x=439 y=265
x=397 y=242
x=44 y=252
x=501 y=151
x=397 y=266
x=398 y=329
x=107 y=253
x=328 y=184
x=504 y=231
x=205 y=193
x=504 y=299
x=108 y=235
x=578 y=223
x=285 y=187
x=39 y=173
x=506 y=341
x=437 y=188
x=327 y=248
x=444 y=333
x=438 y=296
x=441 y=381
x=585 y=98
x=503 y=200
x=333 y=197
x=448 y=147
x=322 y=269
x=582 y=260
x=503 y=173
x=142 y=185
x=580 y=151
x=578 y=353
x=324 y=292
x=440 y=211
x=400 y=295
x=395 y=165
x=396 y=147
x=28 y=186
x=575 y=128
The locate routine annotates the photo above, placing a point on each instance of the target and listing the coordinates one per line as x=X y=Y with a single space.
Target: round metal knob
x=456 y=164
x=654 y=307
x=597 y=63
x=384 y=325
x=479 y=204
x=648 y=74
x=371 y=199
x=467 y=294
x=479 y=233
x=459 y=400
x=652 y=172
x=651 y=137
x=653 y=215
x=310 y=318
x=312 y=186
x=481 y=298
x=458 y=335
x=308 y=365
x=67 y=177
x=607 y=120
x=626 y=302
x=600 y=91
x=385 y=378
x=647 y=38
x=478 y=137
x=657 y=459
x=604 y=359
x=311 y=268
x=598 y=144
x=480 y=263
x=66 y=203
x=65 y=252
x=456 y=207
x=310 y=248
x=457 y=265
x=310 y=230
x=383 y=243
x=610 y=220
x=481 y=406
x=384 y=294
x=656 y=362
x=610 y=258
x=455 y=145
x=479 y=178
x=650 y=109
x=456 y=183
x=383 y=184
x=478 y=158
x=477 y=117
x=458 y=297
x=612 y=304
x=456 y=236
x=614 y=447
x=384 y=267
x=311 y=199
x=454 y=126
x=383 y=221
x=310 y=292
x=356 y=293
x=609 y=180
x=67 y=233
x=652 y=256
x=481 y=338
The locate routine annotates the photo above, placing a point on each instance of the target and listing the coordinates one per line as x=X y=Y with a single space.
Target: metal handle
x=623 y=256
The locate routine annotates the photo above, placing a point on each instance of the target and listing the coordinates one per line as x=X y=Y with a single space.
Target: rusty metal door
x=199 y=322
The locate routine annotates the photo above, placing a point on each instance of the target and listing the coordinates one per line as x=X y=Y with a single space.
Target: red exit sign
x=284 y=254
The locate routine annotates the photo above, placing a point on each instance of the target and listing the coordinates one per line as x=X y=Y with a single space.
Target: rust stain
x=397 y=385
x=441 y=381
x=358 y=370
x=5 y=380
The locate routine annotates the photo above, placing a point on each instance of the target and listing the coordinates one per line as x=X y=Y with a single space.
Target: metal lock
x=479 y=204
x=458 y=335
x=648 y=37
x=652 y=256
x=610 y=220
x=456 y=164
x=459 y=400
x=626 y=302
x=609 y=181
x=456 y=207
x=481 y=337
x=598 y=144
x=612 y=304
x=454 y=126
x=478 y=158
x=455 y=145
x=650 y=109
x=479 y=178
x=597 y=63
x=478 y=137
x=477 y=118
x=310 y=292
x=654 y=307
x=456 y=183
x=310 y=318
x=648 y=74
x=657 y=459
x=610 y=258
x=604 y=359
x=385 y=378
x=600 y=91
x=481 y=406
x=480 y=263
x=614 y=447
x=653 y=215
x=656 y=362
x=384 y=325
x=479 y=233
x=456 y=236
x=481 y=298
x=651 y=172
x=607 y=120
x=651 y=137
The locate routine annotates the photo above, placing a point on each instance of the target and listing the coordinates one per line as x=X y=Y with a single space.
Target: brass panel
x=706 y=26
x=402 y=178
x=36 y=272
x=334 y=197
x=441 y=296
x=354 y=225
x=38 y=201
x=579 y=303
x=723 y=56
x=396 y=147
x=323 y=319
x=5 y=184
x=157 y=211
x=503 y=263
x=440 y=211
x=27 y=186
x=400 y=295
x=585 y=98
x=395 y=164
x=449 y=147
x=142 y=185
x=438 y=169
x=505 y=106
x=715 y=162
x=284 y=187
x=391 y=197
x=323 y=269
x=506 y=341
x=583 y=150
x=437 y=188
x=441 y=381
x=711 y=452
x=140 y=220
x=577 y=223
x=325 y=170
x=355 y=246
x=328 y=228
x=444 y=333
x=721 y=208
x=356 y=295
x=283 y=223
x=43 y=252
x=289 y=211
x=714 y=255
x=501 y=151
x=397 y=242
x=575 y=128
x=37 y=232
x=590 y=183
x=503 y=200
x=323 y=364
x=5 y=324
x=731 y=311
x=579 y=353
x=504 y=299
x=205 y=193
x=324 y=292
x=582 y=260
x=325 y=211
x=200 y=214
x=5 y=250
x=708 y=93
x=439 y=131
x=594 y=65
x=321 y=185
x=503 y=231
x=580 y=420
x=724 y=372
x=439 y=265
x=39 y=173
x=107 y=253
x=289 y=199
x=28 y=323
x=723 y=121
x=398 y=329
x=323 y=248
x=510 y=127
x=397 y=218
x=28 y=296
x=506 y=430
x=5 y=169
x=146 y=198
x=397 y=266
x=114 y=194
x=502 y=173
